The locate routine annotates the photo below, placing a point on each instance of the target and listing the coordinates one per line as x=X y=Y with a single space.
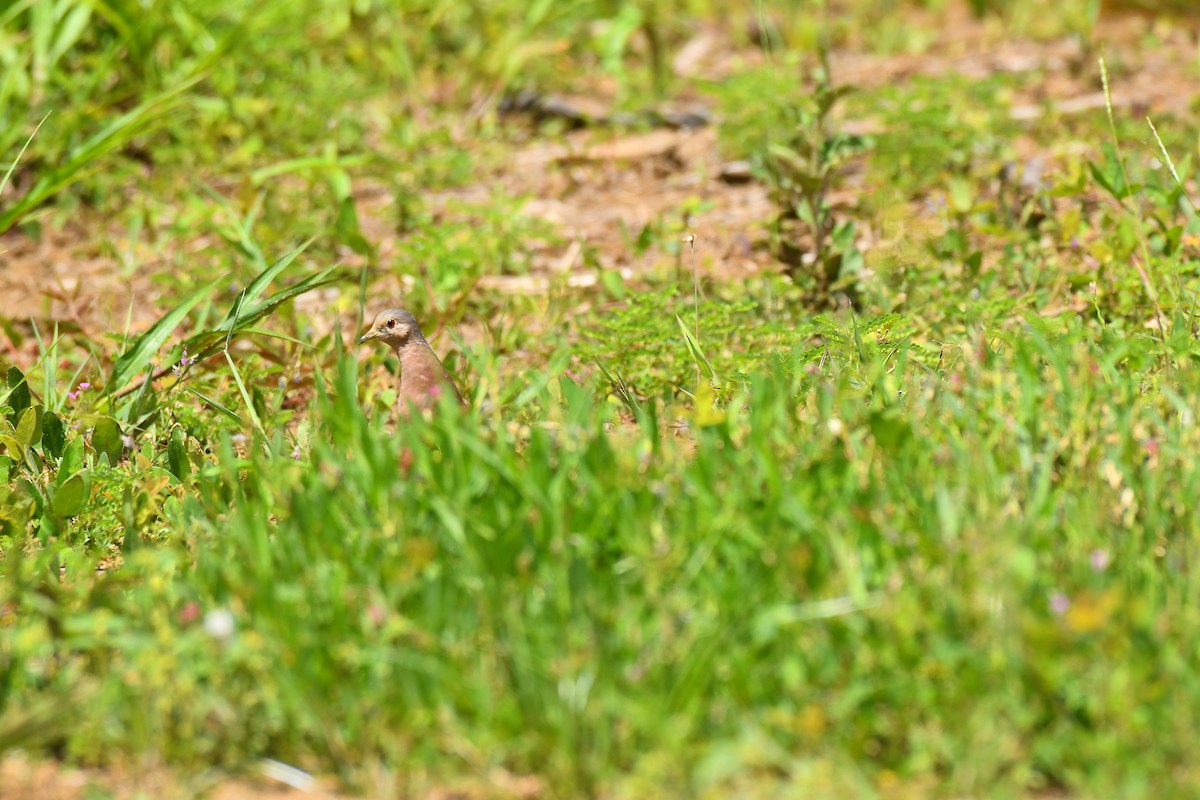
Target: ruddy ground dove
x=423 y=379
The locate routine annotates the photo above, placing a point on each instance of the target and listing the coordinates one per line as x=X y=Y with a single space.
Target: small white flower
x=836 y=426
x=219 y=624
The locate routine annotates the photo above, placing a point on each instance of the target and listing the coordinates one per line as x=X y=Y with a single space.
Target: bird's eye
x=391 y=323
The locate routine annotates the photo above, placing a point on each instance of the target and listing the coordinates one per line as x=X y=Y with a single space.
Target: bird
x=422 y=376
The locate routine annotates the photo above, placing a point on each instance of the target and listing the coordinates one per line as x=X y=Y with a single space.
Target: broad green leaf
x=962 y=195
x=54 y=434
x=135 y=359
x=15 y=451
x=30 y=489
x=106 y=439
x=71 y=496
x=707 y=412
x=29 y=427
x=177 y=456
x=72 y=459
x=18 y=393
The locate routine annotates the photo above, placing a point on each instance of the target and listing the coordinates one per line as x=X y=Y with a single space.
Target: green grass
x=924 y=530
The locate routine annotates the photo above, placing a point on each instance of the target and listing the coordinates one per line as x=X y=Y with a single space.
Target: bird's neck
x=419 y=365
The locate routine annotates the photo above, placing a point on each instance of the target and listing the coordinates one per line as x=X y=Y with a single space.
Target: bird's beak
x=368 y=336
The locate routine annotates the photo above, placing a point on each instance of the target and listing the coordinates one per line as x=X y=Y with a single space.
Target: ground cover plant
x=832 y=371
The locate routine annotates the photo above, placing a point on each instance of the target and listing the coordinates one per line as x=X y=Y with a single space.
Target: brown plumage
x=422 y=376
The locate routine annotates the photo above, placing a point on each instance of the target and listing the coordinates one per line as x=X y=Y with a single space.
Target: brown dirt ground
x=596 y=187
x=21 y=779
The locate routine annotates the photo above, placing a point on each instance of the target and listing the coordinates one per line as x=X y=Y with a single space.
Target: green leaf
x=18 y=392
x=261 y=281
x=145 y=406
x=5 y=467
x=890 y=430
x=962 y=195
x=177 y=456
x=348 y=230
x=29 y=428
x=206 y=343
x=217 y=406
x=106 y=439
x=54 y=434
x=1111 y=176
x=697 y=354
x=71 y=496
x=248 y=315
x=12 y=166
x=135 y=359
x=30 y=489
x=15 y=451
x=72 y=459
x=133 y=538
x=858 y=340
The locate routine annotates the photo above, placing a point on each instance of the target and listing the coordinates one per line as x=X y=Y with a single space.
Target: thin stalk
x=1147 y=279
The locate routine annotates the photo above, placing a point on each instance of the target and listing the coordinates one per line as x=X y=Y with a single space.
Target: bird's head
x=394 y=327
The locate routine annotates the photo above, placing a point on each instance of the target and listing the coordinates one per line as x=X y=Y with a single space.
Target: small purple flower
x=1059 y=603
x=184 y=361
x=1099 y=559
x=79 y=390
x=84 y=385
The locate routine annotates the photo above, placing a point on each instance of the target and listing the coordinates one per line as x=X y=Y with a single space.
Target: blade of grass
x=1162 y=148
x=702 y=362
x=1144 y=271
x=20 y=155
x=112 y=136
x=254 y=420
x=135 y=359
x=260 y=283
x=237 y=377
x=216 y=405
x=209 y=342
